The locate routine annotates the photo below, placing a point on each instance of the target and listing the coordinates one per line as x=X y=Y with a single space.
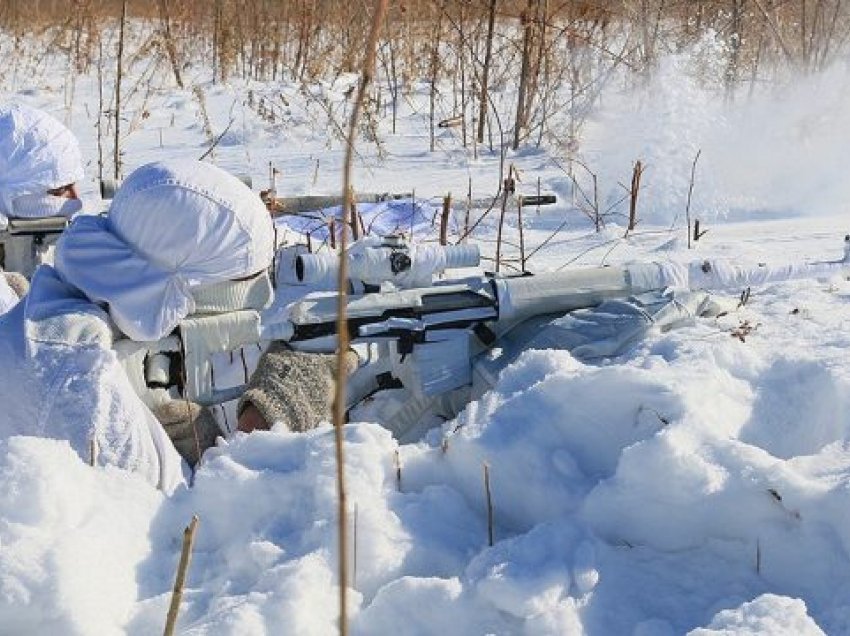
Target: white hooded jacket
x=63 y=381
x=37 y=153
x=182 y=224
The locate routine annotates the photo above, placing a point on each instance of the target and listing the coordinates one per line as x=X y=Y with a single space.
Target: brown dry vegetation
x=308 y=38
x=553 y=56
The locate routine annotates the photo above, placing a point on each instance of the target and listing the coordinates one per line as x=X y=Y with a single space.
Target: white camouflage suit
x=174 y=228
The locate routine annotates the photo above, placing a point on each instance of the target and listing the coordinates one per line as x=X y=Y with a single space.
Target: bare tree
x=434 y=77
x=525 y=69
x=120 y=60
x=170 y=47
x=485 y=71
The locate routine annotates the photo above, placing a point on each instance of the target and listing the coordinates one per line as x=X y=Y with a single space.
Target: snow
x=70 y=539
x=698 y=484
x=759 y=617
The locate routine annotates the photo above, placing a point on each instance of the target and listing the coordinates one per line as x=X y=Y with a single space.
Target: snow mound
x=71 y=538
x=768 y=614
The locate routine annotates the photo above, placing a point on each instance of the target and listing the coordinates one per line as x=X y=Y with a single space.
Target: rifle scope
x=388 y=262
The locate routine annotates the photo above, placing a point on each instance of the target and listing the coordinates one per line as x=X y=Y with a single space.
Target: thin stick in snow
x=117 y=155
x=342 y=320
x=100 y=110
x=633 y=195
x=180 y=581
x=444 y=219
x=212 y=146
x=508 y=189
x=468 y=208
x=521 y=233
x=488 y=493
x=690 y=192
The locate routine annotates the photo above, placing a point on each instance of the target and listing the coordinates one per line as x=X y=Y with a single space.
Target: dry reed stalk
x=690 y=193
x=521 y=233
x=444 y=219
x=433 y=75
x=180 y=580
x=353 y=219
x=489 y=496
x=504 y=208
x=205 y=118
x=342 y=322
x=100 y=110
x=633 y=195
x=212 y=147
x=506 y=193
x=698 y=233
x=468 y=210
x=120 y=59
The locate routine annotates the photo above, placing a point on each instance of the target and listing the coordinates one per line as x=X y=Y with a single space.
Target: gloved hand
x=291 y=387
x=191 y=427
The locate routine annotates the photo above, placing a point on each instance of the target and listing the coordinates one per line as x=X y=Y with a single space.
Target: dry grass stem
x=119 y=62
x=444 y=219
x=342 y=321
x=489 y=496
x=180 y=580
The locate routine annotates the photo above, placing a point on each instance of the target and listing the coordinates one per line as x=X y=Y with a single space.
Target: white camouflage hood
x=173 y=227
x=37 y=153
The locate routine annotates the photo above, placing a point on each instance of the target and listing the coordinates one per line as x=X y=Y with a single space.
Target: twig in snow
x=690 y=193
x=180 y=581
x=342 y=319
x=489 y=503
x=216 y=142
x=120 y=59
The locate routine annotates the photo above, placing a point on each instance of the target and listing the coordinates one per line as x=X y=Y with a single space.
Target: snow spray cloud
x=776 y=150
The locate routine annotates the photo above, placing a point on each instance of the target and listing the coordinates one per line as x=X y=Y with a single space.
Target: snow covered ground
x=698 y=484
